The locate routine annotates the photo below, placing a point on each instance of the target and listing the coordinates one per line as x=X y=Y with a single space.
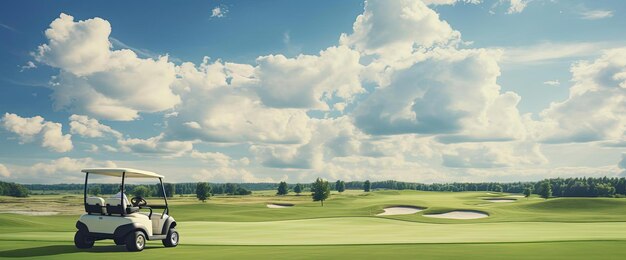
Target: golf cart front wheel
x=172 y=238
x=135 y=241
x=82 y=240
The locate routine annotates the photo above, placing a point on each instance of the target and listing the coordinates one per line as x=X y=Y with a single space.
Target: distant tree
x=340 y=186
x=141 y=191
x=95 y=190
x=170 y=188
x=242 y=191
x=497 y=188
x=203 y=191
x=527 y=192
x=282 y=188
x=298 y=189
x=230 y=188
x=320 y=190
x=367 y=186
x=546 y=190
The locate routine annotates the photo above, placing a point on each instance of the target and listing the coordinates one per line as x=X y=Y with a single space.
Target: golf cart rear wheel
x=82 y=241
x=172 y=238
x=135 y=241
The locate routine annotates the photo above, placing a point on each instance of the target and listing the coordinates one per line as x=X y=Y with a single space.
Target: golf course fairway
x=347 y=225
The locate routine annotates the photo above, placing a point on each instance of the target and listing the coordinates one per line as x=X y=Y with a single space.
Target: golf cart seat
x=95 y=205
x=114 y=207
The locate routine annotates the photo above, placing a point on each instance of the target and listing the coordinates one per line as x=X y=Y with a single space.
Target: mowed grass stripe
x=366 y=230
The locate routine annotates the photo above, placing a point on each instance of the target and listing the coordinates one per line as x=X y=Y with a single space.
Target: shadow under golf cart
x=64 y=249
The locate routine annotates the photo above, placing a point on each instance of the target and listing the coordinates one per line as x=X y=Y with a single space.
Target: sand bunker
x=498 y=200
x=459 y=214
x=516 y=196
x=30 y=213
x=400 y=210
x=279 y=206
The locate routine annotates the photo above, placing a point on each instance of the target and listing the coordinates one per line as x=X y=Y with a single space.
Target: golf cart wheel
x=119 y=241
x=135 y=241
x=82 y=240
x=172 y=238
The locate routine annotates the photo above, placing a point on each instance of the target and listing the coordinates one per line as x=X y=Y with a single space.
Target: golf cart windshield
x=119 y=204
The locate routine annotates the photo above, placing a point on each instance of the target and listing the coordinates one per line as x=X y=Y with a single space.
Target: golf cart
x=129 y=225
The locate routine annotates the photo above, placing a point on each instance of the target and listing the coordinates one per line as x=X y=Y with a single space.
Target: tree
x=169 y=189
x=141 y=191
x=298 y=189
x=95 y=190
x=321 y=190
x=203 y=191
x=527 y=192
x=546 y=190
x=340 y=186
x=367 y=186
x=282 y=188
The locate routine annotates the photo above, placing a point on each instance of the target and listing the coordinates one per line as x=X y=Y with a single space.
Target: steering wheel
x=138 y=201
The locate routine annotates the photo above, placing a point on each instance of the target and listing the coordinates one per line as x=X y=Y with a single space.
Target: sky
x=425 y=91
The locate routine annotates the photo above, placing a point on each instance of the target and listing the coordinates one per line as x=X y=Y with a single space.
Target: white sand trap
x=501 y=200
x=30 y=213
x=459 y=214
x=516 y=196
x=279 y=206
x=400 y=210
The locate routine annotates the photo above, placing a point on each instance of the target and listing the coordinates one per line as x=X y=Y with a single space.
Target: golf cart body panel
x=114 y=218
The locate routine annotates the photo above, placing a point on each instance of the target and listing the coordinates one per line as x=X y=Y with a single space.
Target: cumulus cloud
x=155 y=146
x=595 y=109
x=393 y=29
x=308 y=80
x=98 y=81
x=4 y=172
x=516 y=6
x=89 y=127
x=220 y=106
x=35 y=128
x=447 y=92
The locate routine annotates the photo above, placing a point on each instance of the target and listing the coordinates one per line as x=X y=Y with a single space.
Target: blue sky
x=249 y=91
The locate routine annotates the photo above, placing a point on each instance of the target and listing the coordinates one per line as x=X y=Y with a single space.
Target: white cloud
x=219 y=159
x=594 y=110
x=109 y=148
x=227 y=174
x=34 y=128
x=450 y=2
x=89 y=127
x=394 y=29
x=307 y=80
x=4 y=172
x=219 y=11
x=98 y=81
x=554 y=51
x=596 y=14
x=29 y=65
x=220 y=106
x=62 y=170
x=492 y=155
x=552 y=82
x=156 y=146
x=516 y=6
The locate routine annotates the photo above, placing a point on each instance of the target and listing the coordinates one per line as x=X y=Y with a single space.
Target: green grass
x=347 y=225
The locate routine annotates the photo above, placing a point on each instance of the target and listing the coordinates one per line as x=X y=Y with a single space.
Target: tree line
x=13 y=189
x=559 y=187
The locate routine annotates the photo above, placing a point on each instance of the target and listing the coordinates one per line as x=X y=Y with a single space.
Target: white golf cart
x=113 y=218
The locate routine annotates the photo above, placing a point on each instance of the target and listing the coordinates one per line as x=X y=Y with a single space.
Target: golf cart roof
x=117 y=172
